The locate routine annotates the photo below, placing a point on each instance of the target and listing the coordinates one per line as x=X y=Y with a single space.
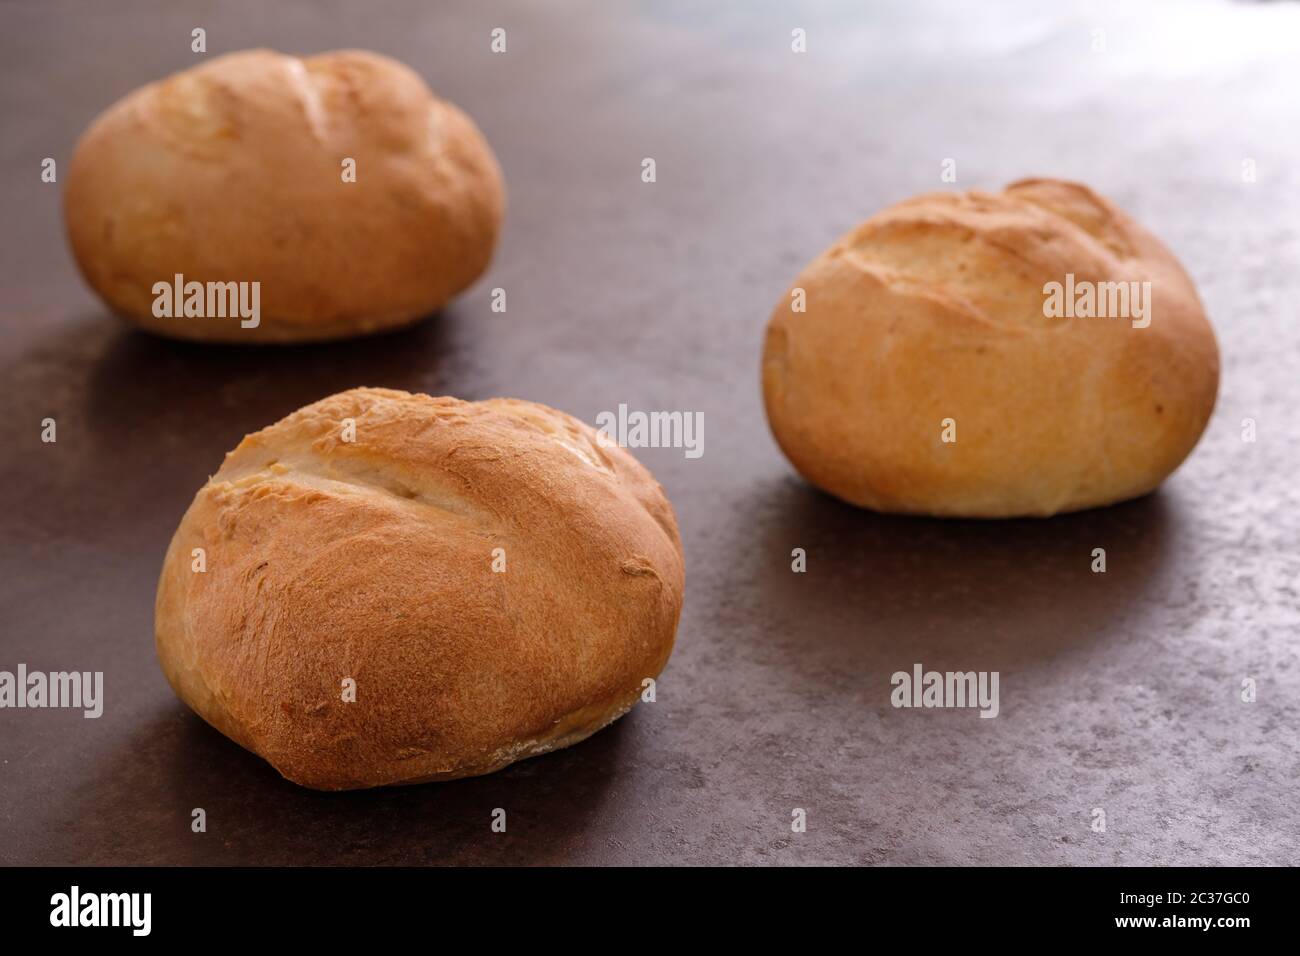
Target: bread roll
x=234 y=171
x=927 y=377
x=496 y=584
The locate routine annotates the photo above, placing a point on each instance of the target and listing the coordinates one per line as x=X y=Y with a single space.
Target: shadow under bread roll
x=390 y=588
x=991 y=355
x=336 y=190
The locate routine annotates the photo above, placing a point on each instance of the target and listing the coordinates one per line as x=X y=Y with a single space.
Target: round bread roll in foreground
x=390 y=588
x=355 y=198
x=984 y=355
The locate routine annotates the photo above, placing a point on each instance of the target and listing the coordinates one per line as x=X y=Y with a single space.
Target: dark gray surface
x=1118 y=691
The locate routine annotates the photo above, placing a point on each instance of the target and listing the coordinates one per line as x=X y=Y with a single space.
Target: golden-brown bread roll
x=495 y=582
x=930 y=322
x=234 y=171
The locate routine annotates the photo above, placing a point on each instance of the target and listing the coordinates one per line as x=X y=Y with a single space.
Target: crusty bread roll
x=234 y=171
x=929 y=322
x=496 y=583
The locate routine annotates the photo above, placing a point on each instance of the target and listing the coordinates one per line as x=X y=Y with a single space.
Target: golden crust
x=372 y=559
x=933 y=309
x=232 y=172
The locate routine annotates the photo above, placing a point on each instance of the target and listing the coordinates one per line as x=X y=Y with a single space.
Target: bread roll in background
x=933 y=310
x=233 y=171
x=357 y=539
